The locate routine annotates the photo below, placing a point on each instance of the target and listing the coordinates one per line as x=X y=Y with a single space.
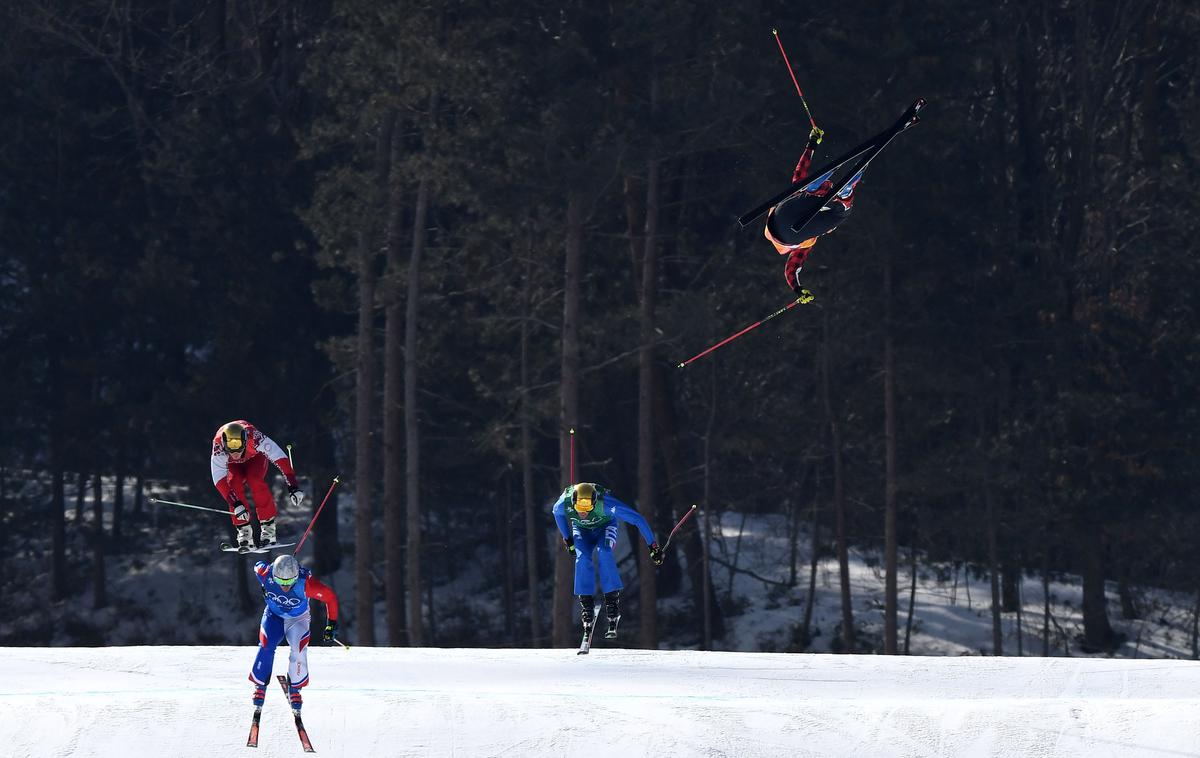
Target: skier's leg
x=298 y=636
x=270 y=632
x=610 y=577
x=256 y=477
x=237 y=488
x=585 y=574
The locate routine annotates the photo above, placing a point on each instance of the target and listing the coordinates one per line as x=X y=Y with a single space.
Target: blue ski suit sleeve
x=560 y=516
x=625 y=513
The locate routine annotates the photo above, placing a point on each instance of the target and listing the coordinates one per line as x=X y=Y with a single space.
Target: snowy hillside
x=194 y=701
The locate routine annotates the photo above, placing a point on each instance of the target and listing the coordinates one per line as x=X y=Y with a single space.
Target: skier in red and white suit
x=239 y=457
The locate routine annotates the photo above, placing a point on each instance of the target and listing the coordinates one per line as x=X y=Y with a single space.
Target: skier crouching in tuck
x=587 y=516
x=287 y=587
x=798 y=244
x=239 y=457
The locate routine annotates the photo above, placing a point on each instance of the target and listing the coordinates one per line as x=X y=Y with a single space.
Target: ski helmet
x=285 y=571
x=233 y=438
x=583 y=498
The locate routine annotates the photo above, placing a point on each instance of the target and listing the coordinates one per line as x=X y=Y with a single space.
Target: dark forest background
x=422 y=241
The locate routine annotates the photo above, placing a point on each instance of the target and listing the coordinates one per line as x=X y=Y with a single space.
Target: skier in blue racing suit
x=587 y=516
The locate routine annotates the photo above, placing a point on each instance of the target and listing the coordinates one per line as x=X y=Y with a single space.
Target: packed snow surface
x=195 y=701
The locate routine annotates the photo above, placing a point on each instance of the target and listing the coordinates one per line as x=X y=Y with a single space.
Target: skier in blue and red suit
x=587 y=516
x=287 y=587
x=798 y=244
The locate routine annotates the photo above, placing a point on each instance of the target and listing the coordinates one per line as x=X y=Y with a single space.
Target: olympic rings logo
x=284 y=600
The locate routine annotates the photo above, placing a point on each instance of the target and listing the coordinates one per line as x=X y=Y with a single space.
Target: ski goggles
x=286 y=583
x=584 y=504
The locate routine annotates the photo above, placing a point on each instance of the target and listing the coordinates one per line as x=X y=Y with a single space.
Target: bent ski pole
x=805 y=297
x=300 y=544
x=798 y=91
x=679 y=524
x=188 y=505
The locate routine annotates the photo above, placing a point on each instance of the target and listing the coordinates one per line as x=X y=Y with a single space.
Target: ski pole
x=793 y=74
x=571 y=466
x=805 y=297
x=291 y=462
x=188 y=505
x=300 y=544
x=676 y=529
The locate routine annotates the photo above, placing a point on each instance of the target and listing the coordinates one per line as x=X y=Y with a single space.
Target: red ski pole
x=793 y=74
x=571 y=465
x=676 y=529
x=300 y=544
x=804 y=298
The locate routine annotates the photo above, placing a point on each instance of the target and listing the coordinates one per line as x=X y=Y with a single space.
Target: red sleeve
x=285 y=466
x=318 y=590
x=794 y=262
x=803 y=164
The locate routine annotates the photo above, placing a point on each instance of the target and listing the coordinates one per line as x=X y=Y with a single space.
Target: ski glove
x=330 y=631
x=295 y=495
x=569 y=545
x=815 y=136
x=240 y=517
x=656 y=554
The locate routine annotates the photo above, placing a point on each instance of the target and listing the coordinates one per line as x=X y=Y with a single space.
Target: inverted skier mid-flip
x=809 y=210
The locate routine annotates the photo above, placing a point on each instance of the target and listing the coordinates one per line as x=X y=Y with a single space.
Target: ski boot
x=266 y=533
x=260 y=695
x=586 y=614
x=245 y=538
x=297 y=701
x=612 y=612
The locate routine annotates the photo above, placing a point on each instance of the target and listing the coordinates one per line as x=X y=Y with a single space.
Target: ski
x=586 y=645
x=864 y=153
x=253 y=739
x=227 y=548
x=308 y=748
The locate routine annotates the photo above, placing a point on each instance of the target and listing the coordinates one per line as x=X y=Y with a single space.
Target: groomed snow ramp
x=181 y=702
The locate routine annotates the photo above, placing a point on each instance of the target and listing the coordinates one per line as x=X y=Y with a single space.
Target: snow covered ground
x=194 y=701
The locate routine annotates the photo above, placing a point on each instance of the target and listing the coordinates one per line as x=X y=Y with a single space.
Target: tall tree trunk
x=568 y=404
x=912 y=588
x=889 y=440
x=58 y=506
x=118 y=505
x=989 y=504
x=80 y=493
x=689 y=536
x=99 y=582
x=810 y=600
x=648 y=586
x=533 y=534
x=393 y=410
x=506 y=560
x=839 y=495
x=1097 y=632
x=412 y=440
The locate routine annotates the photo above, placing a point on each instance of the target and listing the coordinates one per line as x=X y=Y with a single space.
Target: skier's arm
x=625 y=513
x=275 y=454
x=315 y=589
x=262 y=572
x=560 y=516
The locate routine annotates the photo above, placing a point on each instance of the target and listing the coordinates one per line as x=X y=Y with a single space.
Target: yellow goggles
x=234 y=444
x=583 y=505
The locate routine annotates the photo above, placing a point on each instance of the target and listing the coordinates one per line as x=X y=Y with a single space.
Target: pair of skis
x=300 y=730
x=228 y=548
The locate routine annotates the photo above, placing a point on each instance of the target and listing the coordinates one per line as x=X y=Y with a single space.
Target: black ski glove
x=239 y=511
x=330 y=631
x=295 y=495
x=569 y=545
x=656 y=554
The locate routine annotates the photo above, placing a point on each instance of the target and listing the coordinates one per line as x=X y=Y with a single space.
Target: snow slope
x=194 y=701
